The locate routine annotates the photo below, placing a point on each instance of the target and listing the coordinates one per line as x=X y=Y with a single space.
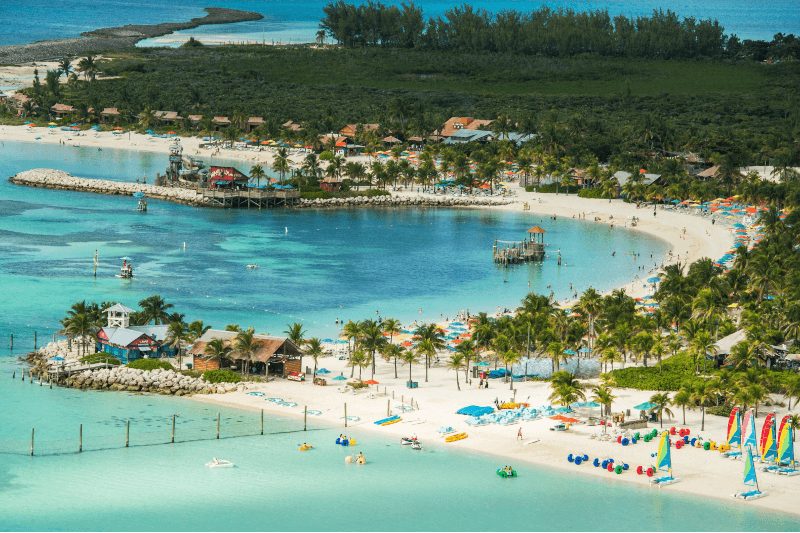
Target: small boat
x=664 y=462
x=453 y=438
x=750 y=479
x=219 y=463
x=506 y=473
x=126 y=272
x=405 y=441
x=416 y=446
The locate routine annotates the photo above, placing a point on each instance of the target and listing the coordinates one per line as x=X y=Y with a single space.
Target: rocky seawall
x=122 y=378
x=114 y=39
x=57 y=179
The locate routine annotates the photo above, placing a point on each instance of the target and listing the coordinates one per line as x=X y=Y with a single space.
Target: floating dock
x=526 y=250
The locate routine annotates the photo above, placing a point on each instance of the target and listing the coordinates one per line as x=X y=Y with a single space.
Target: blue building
x=128 y=343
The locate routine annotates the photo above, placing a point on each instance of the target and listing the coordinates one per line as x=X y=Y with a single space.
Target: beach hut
x=277 y=356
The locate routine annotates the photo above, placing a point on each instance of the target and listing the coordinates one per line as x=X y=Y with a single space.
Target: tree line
x=552 y=32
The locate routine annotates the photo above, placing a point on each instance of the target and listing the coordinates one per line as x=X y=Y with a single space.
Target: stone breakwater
x=57 y=179
x=377 y=201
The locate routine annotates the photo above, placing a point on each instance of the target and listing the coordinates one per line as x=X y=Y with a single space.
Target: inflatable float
x=345 y=442
x=305 y=447
x=502 y=473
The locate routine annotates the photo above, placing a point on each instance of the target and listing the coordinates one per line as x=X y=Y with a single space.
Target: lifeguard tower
x=119 y=316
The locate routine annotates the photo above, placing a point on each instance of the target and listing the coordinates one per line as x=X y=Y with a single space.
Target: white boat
x=219 y=463
x=416 y=446
x=664 y=481
x=751 y=495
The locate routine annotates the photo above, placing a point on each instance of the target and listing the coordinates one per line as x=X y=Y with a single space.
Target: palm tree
x=455 y=363
x=358 y=359
x=511 y=357
x=791 y=387
x=391 y=351
x=566 y=388
x=197 y=329
x=591 y=304
x=64 y=66
x=320 y=37
x=314 y=350
x=467 y=349
x=81 y=326
x=556 y=352
x=702 y=397
x=246 y=346
x=257 y=173
x=281 y=164
x=88 y=67
x=662 y=402
x=295 y=332
x=603 y=396
x=233 y=327
x=682 y=399
x=610 y=355
x=409 y=357
x=218 y=350
x=372 y=339
x=177 y=335
x=154 y=308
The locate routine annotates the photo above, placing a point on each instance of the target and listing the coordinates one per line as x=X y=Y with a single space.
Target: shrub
x=221 y=376
x=192 y=373
x=100 y=358
x=592 y=193
x=720 y=410
x=359 y=385
x=324 y=195
x=149 y=364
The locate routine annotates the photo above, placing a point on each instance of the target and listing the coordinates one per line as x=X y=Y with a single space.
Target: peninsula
x=116 y=39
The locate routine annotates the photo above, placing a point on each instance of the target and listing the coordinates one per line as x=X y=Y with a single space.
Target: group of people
x=508 y=470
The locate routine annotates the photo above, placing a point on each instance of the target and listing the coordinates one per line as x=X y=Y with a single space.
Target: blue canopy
x=569 y=352
x=482 y=363
x=57 y=358
x=584 y=350
x=584 y=404
x=646 y=406
x=323 y=371
x=340 y=378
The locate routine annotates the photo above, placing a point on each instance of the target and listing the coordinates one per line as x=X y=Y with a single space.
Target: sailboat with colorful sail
x=768 y=445
x=664 y=462
x=734 y=436
x=786 y=462
x=750 y=480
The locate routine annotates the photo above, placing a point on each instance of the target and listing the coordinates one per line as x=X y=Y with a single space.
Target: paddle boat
x=506 y=473
x=405 y=441
x=416 y=446
x=219 y=463
x=358 y=459
x=345 y=442
x=305 y=447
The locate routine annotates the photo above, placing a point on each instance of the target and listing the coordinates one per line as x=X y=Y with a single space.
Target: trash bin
x=189 y=366
x=412 y=384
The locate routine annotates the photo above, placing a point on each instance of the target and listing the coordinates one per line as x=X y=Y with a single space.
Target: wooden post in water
x=305 y=417
x=127 y=433
x=34 y=340
x=217 y=426
x=14 y=374
x=173 y=429
x=80 y=438
x=31 y=442
x=345 y=415
x=262 y=421
x=12 y=342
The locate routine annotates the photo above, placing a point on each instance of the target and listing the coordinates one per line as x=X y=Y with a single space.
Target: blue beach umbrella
x=340 y=378
x=569 y=352
x=323 y=371
x=653 y=280
x=138 y=195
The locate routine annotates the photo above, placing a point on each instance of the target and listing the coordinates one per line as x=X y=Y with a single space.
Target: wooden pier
x=251 y=197
x=526 y=250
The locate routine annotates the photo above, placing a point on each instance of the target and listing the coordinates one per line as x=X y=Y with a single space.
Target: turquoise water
x=344 y=264
x=274 y=487
x=296 y=20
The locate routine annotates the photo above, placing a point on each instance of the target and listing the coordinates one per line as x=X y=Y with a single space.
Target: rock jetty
x=56 y=179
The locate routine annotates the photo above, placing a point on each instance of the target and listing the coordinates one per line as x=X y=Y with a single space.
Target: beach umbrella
x=126 y=258
x=323 y=371
x=138 y=195
x=646 y=406
x=57 y=358
x=569 y=352
x=482 y=363
x=653 y=280
x=340 y=378
x=148 y=131
x=371 y=382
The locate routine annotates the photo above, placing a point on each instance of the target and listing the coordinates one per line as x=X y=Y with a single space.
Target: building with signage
x=128 y=343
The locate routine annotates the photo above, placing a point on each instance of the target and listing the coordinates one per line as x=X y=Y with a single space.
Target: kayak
x=453 y=438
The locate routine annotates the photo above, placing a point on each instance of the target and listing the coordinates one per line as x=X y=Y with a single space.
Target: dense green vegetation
x=221 y=376
x=100 y=358
x=544 y=31
x=150 y=364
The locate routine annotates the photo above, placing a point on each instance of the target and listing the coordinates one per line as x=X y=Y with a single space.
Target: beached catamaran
x=750 y=480
x=784 y=460
x=664 y=462
x=768 y=445
x=734 y=436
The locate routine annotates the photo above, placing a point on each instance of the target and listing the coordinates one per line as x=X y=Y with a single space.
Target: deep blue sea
x=296 y=20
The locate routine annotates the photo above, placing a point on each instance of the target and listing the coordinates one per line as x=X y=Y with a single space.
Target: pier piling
x=305 y=416
x=127 y=433
x=262 y=421
x=80 y=438
x=34 y=341
x=12 y=342
x=173 y=429
x=31 y=442
x=345 y=415
x=14 y=374
x=388 y=407
x=217 y=426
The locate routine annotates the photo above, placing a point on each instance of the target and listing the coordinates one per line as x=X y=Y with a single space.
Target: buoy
x=639 y=470
x=605 y=464
x=619 y=439
x=625 y=466
x=570 y=458
x=633 y=441
x=618 y=469
x=650 y=472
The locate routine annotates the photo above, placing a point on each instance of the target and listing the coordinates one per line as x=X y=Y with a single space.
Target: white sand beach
x=703 y=473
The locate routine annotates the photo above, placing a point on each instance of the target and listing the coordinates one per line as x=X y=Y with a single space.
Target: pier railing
x=509 y=252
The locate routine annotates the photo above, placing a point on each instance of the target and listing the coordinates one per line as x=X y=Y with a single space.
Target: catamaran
x=750 y=480
x=734 y=436
x=768 y=445
x=784 y=458
x=664 y=462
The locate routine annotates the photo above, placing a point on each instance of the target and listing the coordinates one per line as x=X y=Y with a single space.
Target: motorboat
x=126 y=272
x=219 y=463
x=405 y=441
x=416 y=446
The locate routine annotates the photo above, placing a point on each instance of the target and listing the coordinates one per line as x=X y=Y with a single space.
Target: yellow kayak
x=395 y=421
x=306 y=447
x=453 y=438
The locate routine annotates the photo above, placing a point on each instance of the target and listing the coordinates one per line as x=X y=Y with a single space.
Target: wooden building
x=226 y=177
x=330 y=184
x=276 y=356
x=61 y=110
x=129 y=343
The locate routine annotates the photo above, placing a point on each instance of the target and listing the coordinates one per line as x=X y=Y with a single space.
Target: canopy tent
x=646 y=406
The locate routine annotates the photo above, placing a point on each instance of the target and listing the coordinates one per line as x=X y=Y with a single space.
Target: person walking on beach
x=519 y=434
